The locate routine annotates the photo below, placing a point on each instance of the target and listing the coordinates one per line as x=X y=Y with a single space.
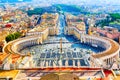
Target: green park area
x=13 y=36
x=113 y=18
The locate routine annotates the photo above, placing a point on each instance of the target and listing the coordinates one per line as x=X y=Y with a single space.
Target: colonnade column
x=111 y=60
x=42 y=64
x=108 y=61
x=73 y=63
x=60 y=63
x=78 y=63
x=54 y=65
x=46 y=63
x=66 y=63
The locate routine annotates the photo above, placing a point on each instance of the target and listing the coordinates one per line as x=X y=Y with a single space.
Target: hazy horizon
x=96 y=2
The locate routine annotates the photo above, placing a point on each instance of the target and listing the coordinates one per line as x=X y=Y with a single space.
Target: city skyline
x=59 y=40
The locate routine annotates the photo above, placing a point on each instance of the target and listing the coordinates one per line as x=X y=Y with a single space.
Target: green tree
x=35 y=11
x=13 y=36
x=115 y=16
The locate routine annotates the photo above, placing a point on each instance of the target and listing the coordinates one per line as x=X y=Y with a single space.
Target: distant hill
x=59 y=8
x=12 y=1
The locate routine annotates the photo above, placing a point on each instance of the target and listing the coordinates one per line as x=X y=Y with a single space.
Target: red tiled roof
x=8 y=25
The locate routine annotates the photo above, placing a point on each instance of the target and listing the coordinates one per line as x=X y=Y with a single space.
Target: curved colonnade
x=107 y=56
x=112 y=48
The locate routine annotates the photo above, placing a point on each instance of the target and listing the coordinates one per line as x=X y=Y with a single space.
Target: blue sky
x=79 y=1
